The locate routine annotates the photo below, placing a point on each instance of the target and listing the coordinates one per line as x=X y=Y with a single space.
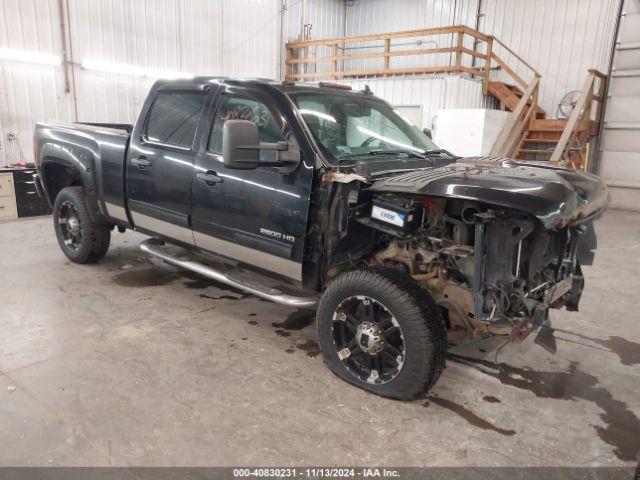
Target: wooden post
x=335 y=61
x=534 y=102
x=514 y=124
x=459 y=51
x=599 y=96
x=567 y=133
x=288 y=69
x=387 y=50
x=486 y=68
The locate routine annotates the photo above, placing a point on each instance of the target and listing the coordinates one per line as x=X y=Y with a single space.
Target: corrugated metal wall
x=560 y=39
x=373 y=16
x=28 y=91
x=244 y=38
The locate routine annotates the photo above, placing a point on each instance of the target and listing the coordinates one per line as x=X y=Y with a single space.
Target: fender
x=80 y=159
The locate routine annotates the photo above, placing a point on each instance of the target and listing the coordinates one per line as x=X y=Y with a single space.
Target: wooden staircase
x=509 y=95
x=530 y=135
x=540 y=139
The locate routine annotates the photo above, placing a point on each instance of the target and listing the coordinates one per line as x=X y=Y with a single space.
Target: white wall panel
x=376 y=16
x=28 y=92
x=560 y=39
x=245 y=37
x=239 y=38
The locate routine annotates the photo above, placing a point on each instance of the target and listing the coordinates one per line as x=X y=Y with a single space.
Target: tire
x=421 y=328
x=86 y=241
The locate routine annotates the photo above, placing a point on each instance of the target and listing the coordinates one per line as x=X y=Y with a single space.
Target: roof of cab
x=286 y=86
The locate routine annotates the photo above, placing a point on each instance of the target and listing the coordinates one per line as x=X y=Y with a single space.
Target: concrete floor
x=132 y=363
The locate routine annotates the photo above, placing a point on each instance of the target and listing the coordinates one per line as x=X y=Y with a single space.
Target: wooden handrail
x=395 y=53
x=383 y=72
x=509 y=71
x=300 y=65
x=510 y=136
x=421 y=32
x=581 y=116
x=517 y=56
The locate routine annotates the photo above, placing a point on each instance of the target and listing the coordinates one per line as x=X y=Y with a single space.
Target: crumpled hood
x=556 y=196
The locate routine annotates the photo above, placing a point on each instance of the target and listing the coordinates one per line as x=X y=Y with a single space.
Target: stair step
x=514 y=88
x=541 y=140
x=526 y=150
x=510 y=96
x=548 y=125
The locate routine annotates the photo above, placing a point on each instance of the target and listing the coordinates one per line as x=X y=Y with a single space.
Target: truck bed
x=97 y=150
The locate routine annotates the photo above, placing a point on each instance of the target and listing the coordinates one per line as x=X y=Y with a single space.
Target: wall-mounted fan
x=567 y=103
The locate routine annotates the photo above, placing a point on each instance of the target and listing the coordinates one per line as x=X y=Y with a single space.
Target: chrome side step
x=233 y=279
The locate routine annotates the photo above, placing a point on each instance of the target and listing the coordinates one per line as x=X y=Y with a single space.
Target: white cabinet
x=8 y=208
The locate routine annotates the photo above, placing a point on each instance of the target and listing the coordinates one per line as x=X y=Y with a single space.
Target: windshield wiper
x=395 y=151
x=438 y=151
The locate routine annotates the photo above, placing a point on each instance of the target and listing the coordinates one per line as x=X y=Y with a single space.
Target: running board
x=233 y=279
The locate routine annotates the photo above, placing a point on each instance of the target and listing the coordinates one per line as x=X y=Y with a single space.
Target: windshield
x=350 y=127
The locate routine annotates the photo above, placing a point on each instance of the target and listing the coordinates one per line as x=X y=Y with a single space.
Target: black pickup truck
x=323 y=196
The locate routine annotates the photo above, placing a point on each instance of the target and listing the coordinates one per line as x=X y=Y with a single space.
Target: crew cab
x=321 y=196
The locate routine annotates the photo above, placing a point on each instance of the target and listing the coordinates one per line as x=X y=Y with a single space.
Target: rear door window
x=174 y=118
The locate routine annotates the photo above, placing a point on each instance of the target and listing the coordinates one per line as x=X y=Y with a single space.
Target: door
x=256 y=217
x=160 y=162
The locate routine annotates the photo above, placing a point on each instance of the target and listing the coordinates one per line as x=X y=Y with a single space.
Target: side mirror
x=427 y=132
x=241 y=147
x=240 y=144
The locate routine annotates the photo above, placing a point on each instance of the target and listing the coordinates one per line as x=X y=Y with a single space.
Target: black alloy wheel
x=368 y=339
x=379 y=330
x=69 y=222
x=81 y=238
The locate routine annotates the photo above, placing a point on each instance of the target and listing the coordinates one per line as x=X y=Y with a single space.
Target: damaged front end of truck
x=495 y=242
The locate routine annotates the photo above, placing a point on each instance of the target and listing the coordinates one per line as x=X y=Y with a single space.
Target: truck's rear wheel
x=80 y=238
x=381 y=332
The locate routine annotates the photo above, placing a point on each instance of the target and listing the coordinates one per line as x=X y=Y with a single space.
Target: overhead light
x=28 y=56
x=135 y=70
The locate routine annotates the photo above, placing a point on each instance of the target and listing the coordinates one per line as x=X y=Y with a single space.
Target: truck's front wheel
x=381 y=332
x=80 y=238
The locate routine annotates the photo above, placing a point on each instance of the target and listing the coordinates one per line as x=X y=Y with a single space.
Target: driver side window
x=240 y=107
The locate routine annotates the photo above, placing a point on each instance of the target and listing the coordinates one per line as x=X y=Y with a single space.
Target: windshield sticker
x=343 y=149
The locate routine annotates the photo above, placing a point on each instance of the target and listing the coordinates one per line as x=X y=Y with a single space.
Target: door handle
x=140 y=162
x=210 y=178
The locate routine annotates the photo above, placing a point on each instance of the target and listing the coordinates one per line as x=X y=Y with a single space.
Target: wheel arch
x=66 y=169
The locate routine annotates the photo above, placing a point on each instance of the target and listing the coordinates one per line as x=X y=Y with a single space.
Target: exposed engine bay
x=491 y=270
